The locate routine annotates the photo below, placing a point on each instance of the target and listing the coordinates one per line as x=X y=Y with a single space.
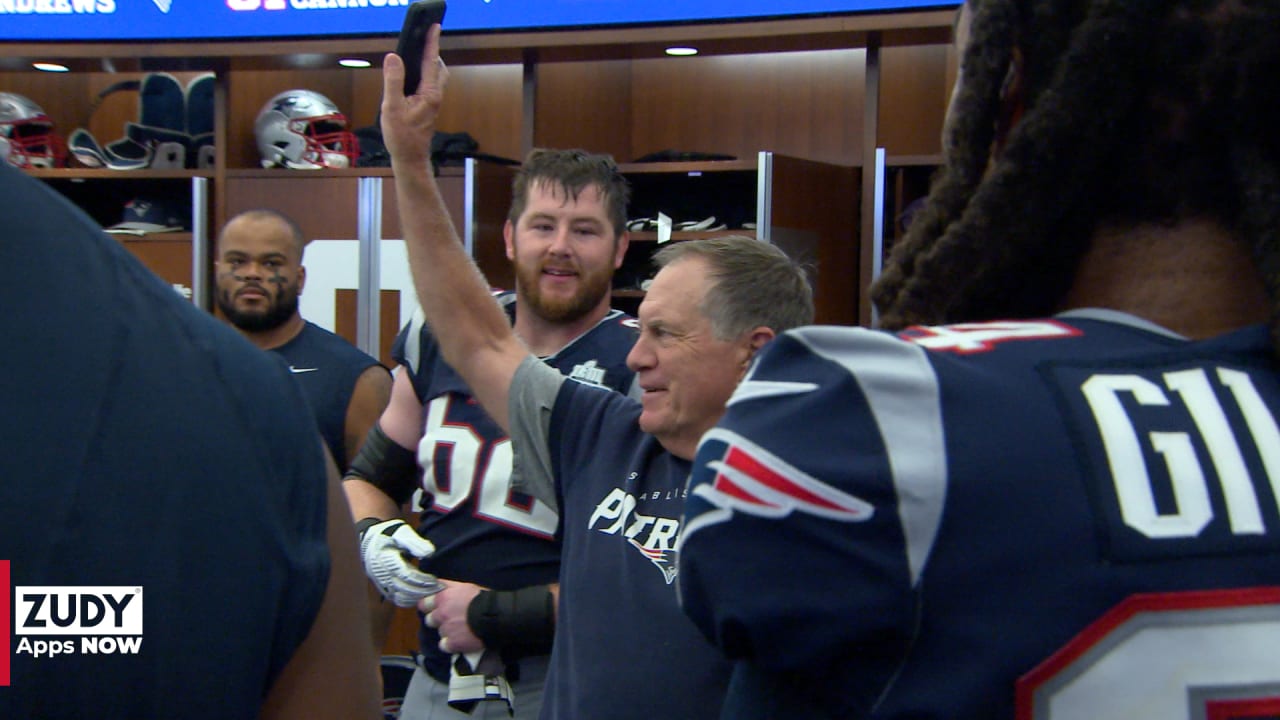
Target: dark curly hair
x=1137 y=111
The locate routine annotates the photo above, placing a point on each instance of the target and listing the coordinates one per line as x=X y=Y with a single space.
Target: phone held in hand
x=417 y=21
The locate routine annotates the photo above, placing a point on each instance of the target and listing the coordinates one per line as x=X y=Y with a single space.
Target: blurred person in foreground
x=164 y=488
x=1051 y=492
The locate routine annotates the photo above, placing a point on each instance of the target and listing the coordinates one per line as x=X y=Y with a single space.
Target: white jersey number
x=966 y=338
x=1184 y=656
x=477 y=469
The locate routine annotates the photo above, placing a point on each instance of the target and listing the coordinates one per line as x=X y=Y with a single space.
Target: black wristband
x=516 y=623
x=365 y=524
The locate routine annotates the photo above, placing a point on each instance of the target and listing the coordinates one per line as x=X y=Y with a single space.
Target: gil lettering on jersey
x=1186 y=459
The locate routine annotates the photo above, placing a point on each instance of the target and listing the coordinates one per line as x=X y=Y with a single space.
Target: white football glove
x=390 y=550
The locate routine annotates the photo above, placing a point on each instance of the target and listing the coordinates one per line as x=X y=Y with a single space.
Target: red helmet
x=27 y=139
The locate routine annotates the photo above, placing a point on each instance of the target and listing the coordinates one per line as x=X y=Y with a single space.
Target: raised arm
x=474 y=334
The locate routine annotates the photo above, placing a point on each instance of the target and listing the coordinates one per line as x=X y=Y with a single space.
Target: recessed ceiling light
x=354 y=63
x=682 y=51
x=50 y=67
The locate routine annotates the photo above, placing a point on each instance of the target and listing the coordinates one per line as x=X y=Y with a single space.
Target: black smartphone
x=417 y=21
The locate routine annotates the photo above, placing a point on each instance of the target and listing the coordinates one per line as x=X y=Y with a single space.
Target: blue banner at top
x=160 y=20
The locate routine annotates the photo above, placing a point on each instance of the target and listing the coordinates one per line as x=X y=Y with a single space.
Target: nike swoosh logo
x=293 y=369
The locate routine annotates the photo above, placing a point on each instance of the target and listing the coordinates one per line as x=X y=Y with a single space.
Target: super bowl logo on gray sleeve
x=589 y=372
x=107 y=620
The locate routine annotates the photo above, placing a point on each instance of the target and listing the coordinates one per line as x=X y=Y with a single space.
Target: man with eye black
x=259 y=280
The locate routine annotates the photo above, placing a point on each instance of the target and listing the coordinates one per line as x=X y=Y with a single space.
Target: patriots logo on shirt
x=654 y=536
x=735 y=474
x=658 y=557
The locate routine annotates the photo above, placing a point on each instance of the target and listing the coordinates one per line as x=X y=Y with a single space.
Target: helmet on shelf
x=304 y=130
x=27 y=139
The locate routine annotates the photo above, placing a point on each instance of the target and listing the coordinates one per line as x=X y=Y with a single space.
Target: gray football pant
x=428 y=698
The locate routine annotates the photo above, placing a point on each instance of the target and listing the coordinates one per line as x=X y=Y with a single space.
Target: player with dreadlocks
x=1133 y=117
x=1054 y=491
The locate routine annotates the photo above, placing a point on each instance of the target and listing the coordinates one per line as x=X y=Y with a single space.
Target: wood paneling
x=801 y=199
x=346 y=308
x=805 y=104
x=366 y=96
x=485 y=101
x=914 y=89
x=482 y=100
x=322 y=205
x=585 y=105
x=452 y=189
x=167 y=255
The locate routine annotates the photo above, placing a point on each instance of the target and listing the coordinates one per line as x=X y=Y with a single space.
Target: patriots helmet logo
x=659 y=558
x=735 y=474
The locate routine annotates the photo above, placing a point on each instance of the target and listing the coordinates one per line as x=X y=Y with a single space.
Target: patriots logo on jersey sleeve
x=734 y=473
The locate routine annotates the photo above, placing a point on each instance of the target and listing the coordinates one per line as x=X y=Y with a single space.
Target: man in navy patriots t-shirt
x=615 y=467
x=1053 y=492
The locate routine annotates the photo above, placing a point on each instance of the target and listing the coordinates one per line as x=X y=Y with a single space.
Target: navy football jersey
x=484 y=531
x=327 y=367
x=149 y=450
x=623 y=649
x=1064 y=518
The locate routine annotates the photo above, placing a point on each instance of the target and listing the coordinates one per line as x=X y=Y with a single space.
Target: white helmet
x=27 y=139
x=303 y=130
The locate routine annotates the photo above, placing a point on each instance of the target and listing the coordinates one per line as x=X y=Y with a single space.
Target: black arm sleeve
x=385 y=465
x=516 y=623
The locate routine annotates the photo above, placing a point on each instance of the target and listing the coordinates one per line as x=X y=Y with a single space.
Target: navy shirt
x=623 y=649
x=940 y=513
x=149 y=446
x=327 y=367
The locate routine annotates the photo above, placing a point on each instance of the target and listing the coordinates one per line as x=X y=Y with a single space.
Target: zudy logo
x=107 y=619
x=71 y=610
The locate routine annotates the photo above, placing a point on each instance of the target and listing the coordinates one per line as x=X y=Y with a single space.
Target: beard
x=282 y=307
x=592 y=287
